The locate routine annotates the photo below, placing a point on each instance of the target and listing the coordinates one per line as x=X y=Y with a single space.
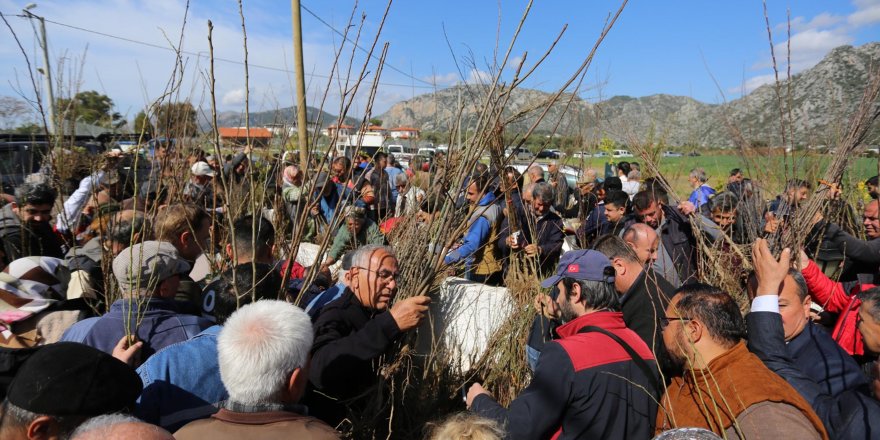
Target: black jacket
x=677 y=237
x=862 y=256
x=849 y=415
x=549 y=237
x=26 y=240
x=822 y=359
x=643 y=306
x=349 y=339
x=585 y=386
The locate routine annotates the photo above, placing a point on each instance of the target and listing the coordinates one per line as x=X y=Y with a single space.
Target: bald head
x=644 y=241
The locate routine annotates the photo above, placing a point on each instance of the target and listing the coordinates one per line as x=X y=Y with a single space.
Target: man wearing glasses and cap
x=598 y=380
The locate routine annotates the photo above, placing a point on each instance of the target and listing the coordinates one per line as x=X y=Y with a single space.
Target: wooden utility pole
x=299 y=72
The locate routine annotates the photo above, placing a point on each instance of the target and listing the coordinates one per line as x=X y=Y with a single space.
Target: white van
x=621 y=153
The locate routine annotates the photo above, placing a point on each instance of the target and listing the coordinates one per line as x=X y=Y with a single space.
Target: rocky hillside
x=821 y=98
x=280 y=116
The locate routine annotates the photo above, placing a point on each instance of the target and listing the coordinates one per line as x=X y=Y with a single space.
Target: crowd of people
x=112 y=327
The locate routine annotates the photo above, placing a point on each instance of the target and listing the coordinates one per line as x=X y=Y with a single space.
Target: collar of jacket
x=634 y=287
x=143 y=304
x=730 y=358
x=487 y=199
x=605 y=320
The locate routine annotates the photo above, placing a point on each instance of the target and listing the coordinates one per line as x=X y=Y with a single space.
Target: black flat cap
x=67 y=378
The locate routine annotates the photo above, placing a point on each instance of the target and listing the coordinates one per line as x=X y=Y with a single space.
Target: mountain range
x=821 y=100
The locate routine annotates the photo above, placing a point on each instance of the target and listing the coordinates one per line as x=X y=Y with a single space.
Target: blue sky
x=670 y=47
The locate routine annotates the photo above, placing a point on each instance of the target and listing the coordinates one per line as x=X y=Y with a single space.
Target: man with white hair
x=702 y=195
x=352 y=332
x=264 y=352
x=410 y=196
x=112 y=426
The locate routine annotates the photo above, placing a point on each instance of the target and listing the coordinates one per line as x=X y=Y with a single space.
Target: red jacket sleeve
x=825 y=291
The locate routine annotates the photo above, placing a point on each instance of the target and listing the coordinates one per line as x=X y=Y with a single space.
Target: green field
x=768 y=171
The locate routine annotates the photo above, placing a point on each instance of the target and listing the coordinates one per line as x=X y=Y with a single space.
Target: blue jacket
x=822 y=359
x=161 y=325
x=477 y=236
x=701 y=197
x=849 y=415
x=182 y=382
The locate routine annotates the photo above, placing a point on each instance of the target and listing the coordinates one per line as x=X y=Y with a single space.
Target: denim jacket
x=182 y=382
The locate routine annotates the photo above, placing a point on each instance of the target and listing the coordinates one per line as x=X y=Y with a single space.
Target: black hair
x=247 y=241
x=872 y=181
x=871 y=301
x=713 y=307
x=597 y=295
x=643 y=200
x=725 y=202
x=735 y=171
x=35 y=194
x=612 y=183
x=242 y=285
x=617 y=198
x=380 y=155
x=625 y=167
x=795 y=184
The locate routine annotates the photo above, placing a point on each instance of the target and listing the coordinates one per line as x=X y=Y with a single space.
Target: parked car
x=600 y=154
x=18 y=160
x=395 y=149
x=547 y=154
x=426 y=152
x=621 y=153
x=519 y=153
x=671 y=154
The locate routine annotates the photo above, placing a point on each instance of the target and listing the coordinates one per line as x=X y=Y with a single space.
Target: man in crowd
x=118 y=426
x=200 y=188
x=616 y=213
x=702 y=195
x=352 y=332
x=644 y=295
x=358 y=231
x=61 y=386
x=381 y=183
x=724 y=388
x=862 y=256
x=182 y=382
x=263 y=352
x=85 y=263
x=736 y=175
x=796 y=192
x=24 y=224
x=812 y=349
x=546 y=244
x=560 y=187
x=645 y=242
x=409 y=196
x=187 y=228
x=478 y=250
x=148 y=275
x=598 y=380
x=676 y=255
x=849 y=414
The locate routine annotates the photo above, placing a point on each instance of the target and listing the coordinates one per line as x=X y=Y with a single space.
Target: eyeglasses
x=664 y=320
x=383 y=274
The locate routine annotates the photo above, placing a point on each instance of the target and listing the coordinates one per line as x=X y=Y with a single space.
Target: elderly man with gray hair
x=263 y=352
x=148 y=275
x=352 y=332
x=702 y=195
x=410 y=196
